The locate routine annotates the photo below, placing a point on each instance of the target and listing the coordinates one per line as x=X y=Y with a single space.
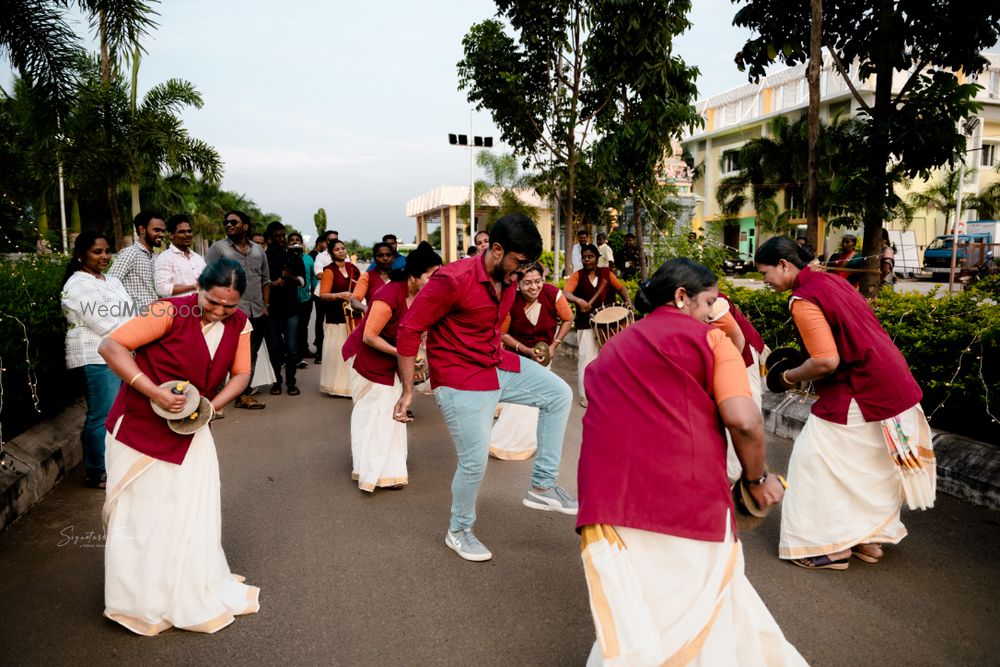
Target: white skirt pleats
x=378 y=442
x=586 y=352
x=515 y=434
x=263 y=373
x=335 y=373
x=164 y=564
x=843 y=489
x=663 y=600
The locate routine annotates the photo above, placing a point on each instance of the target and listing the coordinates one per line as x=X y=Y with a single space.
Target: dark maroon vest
x=375 y=283
x=872 y=370
x=586 y=291
x=544 y=331
x=181 y=354
x=335 y=309
x=752 y=336
x=373 y=364
x=654 y=450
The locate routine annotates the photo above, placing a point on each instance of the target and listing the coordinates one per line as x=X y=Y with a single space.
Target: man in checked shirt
x=461 y=308
x=135 y=265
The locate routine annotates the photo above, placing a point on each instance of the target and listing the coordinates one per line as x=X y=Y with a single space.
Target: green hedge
x=29 y=295
x=952 y=344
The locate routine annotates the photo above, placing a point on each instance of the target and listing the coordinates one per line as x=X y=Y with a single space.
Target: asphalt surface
x=348 y=578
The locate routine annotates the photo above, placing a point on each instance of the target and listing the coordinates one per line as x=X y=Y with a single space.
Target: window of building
x=989 y=155
x=731 y=114
x=994 y=84
x=730 y=162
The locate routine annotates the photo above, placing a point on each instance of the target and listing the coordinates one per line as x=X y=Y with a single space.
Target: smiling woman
x=164 y=566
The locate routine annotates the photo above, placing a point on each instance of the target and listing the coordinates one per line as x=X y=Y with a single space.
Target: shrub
x=35 y=382
x=952 y=344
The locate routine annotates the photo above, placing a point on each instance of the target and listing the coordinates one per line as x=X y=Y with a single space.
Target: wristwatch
x=755 y=482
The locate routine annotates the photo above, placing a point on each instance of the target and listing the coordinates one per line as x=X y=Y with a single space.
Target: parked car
x=735 y=265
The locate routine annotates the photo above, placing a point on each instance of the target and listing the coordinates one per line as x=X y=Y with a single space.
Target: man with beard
x=238 y=247
x=287 y=274
x=462 y=308
x=136 y=264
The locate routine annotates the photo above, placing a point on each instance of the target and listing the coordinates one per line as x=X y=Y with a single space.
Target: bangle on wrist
x=784 y=378
x=135 y=377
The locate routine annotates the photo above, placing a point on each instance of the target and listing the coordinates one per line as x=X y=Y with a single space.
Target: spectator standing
x=398 y=261
x=846 y=254
x=628 y=262
x=582 y=239
x=134 y=266
x=287 y=274
x=94 y=305
x=319 y=263
x=253 y=300
x=605 y=256
x=482 y=242
x=177 y=268
x=296 y=246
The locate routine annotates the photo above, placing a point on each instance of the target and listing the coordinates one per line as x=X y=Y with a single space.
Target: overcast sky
x=346 y=105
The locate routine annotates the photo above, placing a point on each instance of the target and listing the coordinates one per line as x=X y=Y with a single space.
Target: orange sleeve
x=730 y=376
x=379 y=314
x=814 y=329
x=571 y=283
x=613 y=279
x=326 y=282
x=562 y=309
x=727 y=323
x=361 y=288
x=241 y=362
x=144 y=329
x=505 y=327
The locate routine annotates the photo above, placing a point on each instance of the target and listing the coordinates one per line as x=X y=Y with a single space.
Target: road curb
x=41 y=456
x=967 y=469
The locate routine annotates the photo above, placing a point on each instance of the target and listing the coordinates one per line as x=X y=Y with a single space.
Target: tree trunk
x=116 y=216
x=639 y=236
x=42 y=222
x=136 y=207
x=815 y=60
x=74 y=214
x=875 y=207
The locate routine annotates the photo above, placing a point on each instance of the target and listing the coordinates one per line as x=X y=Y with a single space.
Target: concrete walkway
x=351 y=579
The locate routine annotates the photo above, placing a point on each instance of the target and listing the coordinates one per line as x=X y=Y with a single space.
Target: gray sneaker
x=466 y=545
x=553 y=500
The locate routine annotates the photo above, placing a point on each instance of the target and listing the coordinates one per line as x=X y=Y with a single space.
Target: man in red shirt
x=462 y=308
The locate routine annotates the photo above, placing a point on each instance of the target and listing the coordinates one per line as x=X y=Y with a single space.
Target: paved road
x=350 y=579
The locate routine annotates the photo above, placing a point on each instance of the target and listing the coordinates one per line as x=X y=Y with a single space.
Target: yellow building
x=440 y=207
x=734 y=117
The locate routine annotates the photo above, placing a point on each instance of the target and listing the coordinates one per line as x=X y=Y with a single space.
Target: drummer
x=540 y=314
x=590 y=288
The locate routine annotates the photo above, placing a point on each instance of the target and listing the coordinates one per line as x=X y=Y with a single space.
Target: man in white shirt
x=582 y=239
x=605 y=256
x=178 y=267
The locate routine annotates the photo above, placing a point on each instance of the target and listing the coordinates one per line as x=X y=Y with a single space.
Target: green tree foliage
x=320 y=221
x=498 y=191
x=914 y=127
x=630 y=53
x=942 y=196
x=567 y=68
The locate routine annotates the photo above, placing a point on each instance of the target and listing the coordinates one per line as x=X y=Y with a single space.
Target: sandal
x=293 y=391
x=822 y=563
x=868 y=555
x=276 y=389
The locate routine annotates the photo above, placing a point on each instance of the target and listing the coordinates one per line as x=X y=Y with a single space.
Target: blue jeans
x=469 y=416
x=283 y=346
x=102 y=387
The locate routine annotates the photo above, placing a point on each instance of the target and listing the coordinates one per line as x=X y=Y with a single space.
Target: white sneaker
x=553 y=500
x=466 y=545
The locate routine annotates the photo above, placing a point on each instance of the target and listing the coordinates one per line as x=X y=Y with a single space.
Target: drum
x=609 y=320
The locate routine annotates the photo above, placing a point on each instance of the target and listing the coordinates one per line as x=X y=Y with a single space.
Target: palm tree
x=943 y=197
x=157 y=140
x=499 y=190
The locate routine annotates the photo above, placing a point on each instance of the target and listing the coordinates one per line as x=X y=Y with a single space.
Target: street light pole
x=969 y=126
x=471 y=141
